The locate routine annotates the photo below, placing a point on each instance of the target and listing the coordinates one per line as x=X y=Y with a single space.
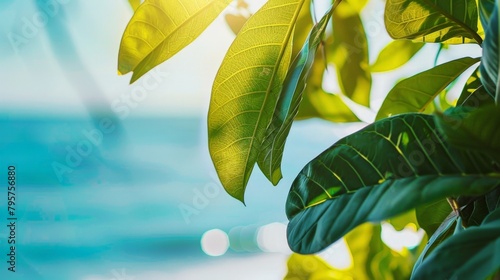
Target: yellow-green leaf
x=134 y=4
x=395 y=54
x=161 y=28
x=246 y=90
x=349 y=53
x=417 y=92
x=450 y=21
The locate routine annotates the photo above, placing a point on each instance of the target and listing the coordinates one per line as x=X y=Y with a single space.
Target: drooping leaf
x=161 y=28
x=486 y=7
x=414 y=94
x=246 y=91
x=444 y=231
x=395 y=54
x=490 y=59
x=349 y=54
x=447 y=21
x=430 y=216
x=473 y=129
x=473 y=253
x=272 y=148
x=134 y=4
x=383 y=170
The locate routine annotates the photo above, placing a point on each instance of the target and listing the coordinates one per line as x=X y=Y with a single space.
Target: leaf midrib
x=276 y=69
x=469 y=30
x=175 y=30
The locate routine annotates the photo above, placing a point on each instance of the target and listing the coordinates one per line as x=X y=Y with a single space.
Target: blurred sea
x=96 y=209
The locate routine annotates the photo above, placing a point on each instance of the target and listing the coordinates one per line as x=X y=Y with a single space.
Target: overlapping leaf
x=246 y=91
x=134 y=4
x=395 y=54
x=161 y=28
x=414 y=94
x=448 y=21
x=486 y=7
x=349 y=54
x=470 y=254
x=473 y=129
x=490 y=59
x=288 y=103
x=384 y=170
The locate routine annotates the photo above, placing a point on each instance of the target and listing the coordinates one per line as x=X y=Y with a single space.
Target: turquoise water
x=90 y=204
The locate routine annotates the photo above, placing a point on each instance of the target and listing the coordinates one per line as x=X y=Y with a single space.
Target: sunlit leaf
x=395 y=54
x=490 y=59
x=383 y=170
x=272 y=148
x=414 y=94
x=372 y=259
x=450 y=21
x=134 y=4
x=161 y=28
x=246 y=91
x=358 y=5
x=311 y=267
x=470 y=254
x=349 y=54
x=473 y=129
x=317 y=103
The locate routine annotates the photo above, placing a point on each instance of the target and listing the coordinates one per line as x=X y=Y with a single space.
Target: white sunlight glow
x=409 y=237
x=338 y=255
x=272 y=238
x=215 y=242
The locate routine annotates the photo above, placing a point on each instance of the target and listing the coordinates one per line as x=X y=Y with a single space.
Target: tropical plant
x=440 y=166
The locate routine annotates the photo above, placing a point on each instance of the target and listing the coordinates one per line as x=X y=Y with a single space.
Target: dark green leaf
x=383 y=170
x=414 y=94
x=473 y=94
x=485 y=9
x=473 y=129
x=490 y=58
x=450 y=21
x=430 y=216
x=471 y=254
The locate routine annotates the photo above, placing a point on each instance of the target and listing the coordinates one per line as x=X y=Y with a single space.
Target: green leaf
x=246 y=91
x=349 y=54
x=414 y=94
x=430 y=216
x=383 y=170
x=490 y=59
x=272 y=148
x=444 y=231
x=470 y=254
x=134 y=4
x=432 y=21
x=161 y=28
x=235 y=21
x=372 y=259
x=395 y=54
x=311 y=267
x=473 y=129
x=473 y=94
x=485 y=9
